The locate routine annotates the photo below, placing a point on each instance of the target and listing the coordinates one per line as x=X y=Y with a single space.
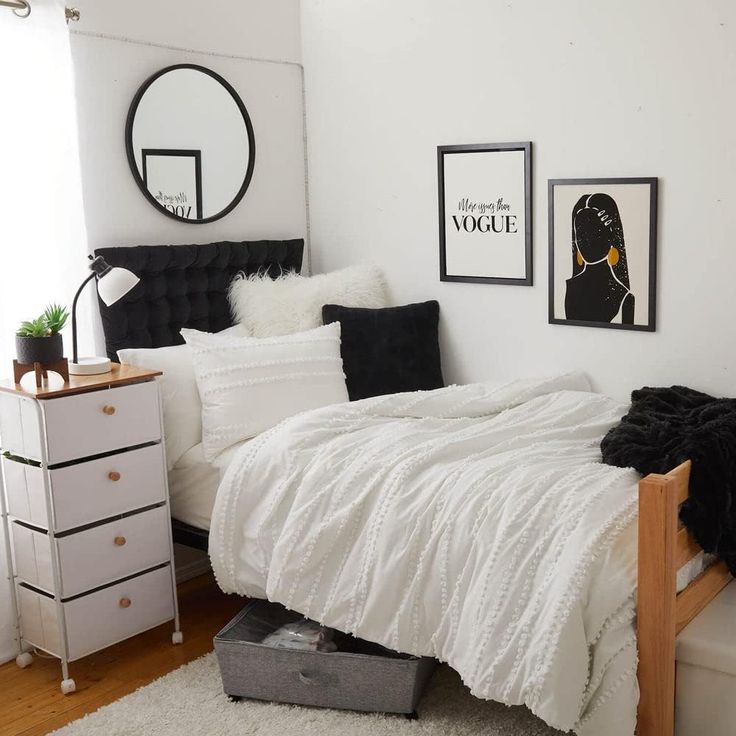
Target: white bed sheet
x=193 y=484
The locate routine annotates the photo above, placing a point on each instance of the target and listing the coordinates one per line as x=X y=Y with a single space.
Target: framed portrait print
x=603 y=253
x=173 y=177
x=485 y=213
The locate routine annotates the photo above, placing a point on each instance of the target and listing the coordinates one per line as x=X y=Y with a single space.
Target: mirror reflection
x=190 y=143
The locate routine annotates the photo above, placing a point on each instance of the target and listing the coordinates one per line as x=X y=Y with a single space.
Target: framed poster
x=173 y=177
x=485 y=213
x=603 y=253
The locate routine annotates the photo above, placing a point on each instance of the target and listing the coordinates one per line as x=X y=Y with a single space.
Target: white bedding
x=473 y=523
x=193 y=484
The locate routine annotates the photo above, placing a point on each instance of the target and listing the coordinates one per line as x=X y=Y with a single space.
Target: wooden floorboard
x=31 y=703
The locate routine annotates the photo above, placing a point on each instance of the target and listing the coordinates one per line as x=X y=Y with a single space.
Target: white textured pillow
x=182 y=408
x=248 y=385
x=292 y=303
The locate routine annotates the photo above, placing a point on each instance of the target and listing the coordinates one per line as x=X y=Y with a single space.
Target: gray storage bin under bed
x=358 y=676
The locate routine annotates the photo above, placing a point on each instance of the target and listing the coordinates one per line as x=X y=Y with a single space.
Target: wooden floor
x=32 y=704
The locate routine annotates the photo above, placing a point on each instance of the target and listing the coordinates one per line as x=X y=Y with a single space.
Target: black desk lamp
x=112 y=284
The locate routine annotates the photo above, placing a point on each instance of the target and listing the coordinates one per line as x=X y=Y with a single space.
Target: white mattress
x=193 y=484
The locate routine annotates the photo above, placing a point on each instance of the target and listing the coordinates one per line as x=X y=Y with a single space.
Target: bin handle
x=306 y=679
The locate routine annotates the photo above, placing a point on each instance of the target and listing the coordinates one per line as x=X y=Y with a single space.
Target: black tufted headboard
x=184 y=286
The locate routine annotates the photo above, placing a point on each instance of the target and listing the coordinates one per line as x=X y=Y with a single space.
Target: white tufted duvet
x=473 y=523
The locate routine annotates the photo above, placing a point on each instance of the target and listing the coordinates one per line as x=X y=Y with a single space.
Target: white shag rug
x=189 y=701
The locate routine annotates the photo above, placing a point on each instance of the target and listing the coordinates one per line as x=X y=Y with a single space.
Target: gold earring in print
x=613 y=256
x=580 y=258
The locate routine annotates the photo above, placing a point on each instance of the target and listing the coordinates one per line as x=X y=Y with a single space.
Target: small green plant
x=55 y=317
x=49 y=323
x=33 y=328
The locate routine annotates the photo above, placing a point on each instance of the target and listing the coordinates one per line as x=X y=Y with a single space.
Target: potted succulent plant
x=39 y=340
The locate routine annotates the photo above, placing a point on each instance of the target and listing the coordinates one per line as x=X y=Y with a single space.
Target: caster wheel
x=177 y=637
x=24 y=659
x=68 y=686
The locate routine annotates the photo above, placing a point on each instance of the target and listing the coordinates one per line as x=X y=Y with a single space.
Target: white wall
x=261 y=28
x=113 y=56
x=627 y=89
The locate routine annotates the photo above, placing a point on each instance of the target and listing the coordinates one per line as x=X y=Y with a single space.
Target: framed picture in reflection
x=173 y=177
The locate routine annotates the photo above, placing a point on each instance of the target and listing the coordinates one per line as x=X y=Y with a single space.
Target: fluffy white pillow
x=292 y=303
x=248 y=385
x=182 y=408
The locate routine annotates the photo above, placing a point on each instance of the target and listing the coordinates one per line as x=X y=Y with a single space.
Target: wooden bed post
x=657 y=600
x=662 y=612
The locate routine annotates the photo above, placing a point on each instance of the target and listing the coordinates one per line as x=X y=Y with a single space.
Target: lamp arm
x=75 y=357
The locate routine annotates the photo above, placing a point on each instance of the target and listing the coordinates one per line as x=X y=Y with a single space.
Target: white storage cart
x=85 y=510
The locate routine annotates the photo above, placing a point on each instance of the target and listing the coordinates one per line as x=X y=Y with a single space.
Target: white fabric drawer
x=98 y=620
x=88 y=491
x=82 y=425
x=95 y=556
x=100 y=421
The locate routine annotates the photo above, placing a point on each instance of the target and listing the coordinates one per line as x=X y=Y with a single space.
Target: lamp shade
x=115 y=284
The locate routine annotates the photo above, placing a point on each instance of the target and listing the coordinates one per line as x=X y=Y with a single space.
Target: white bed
x=475 y=524
x=193 y=485
x=306 y=515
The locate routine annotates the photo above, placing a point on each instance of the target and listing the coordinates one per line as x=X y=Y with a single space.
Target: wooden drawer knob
x=114 y=476
x=124 y=602
x=120 y=541
x=108 y=409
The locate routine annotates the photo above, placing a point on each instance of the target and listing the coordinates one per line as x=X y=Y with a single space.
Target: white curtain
x=43 y=243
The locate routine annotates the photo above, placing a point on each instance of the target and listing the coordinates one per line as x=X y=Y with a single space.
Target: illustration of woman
x=599 y=289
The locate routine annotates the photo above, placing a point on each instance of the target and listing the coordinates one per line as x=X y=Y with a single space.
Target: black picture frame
x=178 y=153
x=131 y=155
x=450 y=150
x=601 y=184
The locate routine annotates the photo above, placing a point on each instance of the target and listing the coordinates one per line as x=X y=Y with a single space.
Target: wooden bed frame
x=664 y=547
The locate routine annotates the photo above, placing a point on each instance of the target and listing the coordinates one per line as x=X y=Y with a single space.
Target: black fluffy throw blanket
x=665 y=427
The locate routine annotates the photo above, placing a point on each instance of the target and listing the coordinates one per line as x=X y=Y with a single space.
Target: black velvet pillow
x=387 y=351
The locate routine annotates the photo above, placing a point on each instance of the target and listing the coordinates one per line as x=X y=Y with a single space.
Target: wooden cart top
x=55 y=387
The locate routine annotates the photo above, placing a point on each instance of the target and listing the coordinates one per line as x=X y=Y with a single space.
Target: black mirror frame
x=131 y=155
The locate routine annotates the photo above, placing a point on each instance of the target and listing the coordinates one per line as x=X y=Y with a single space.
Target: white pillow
x=292 y=303
x=248 y=384
x=182 y=408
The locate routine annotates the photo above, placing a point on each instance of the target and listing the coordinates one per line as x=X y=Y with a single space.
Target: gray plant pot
x=39 y=349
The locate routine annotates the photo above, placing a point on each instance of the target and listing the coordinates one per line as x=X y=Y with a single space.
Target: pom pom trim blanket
x=475 y=524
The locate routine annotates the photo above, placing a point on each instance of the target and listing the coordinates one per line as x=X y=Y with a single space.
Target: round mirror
x=190 y=143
